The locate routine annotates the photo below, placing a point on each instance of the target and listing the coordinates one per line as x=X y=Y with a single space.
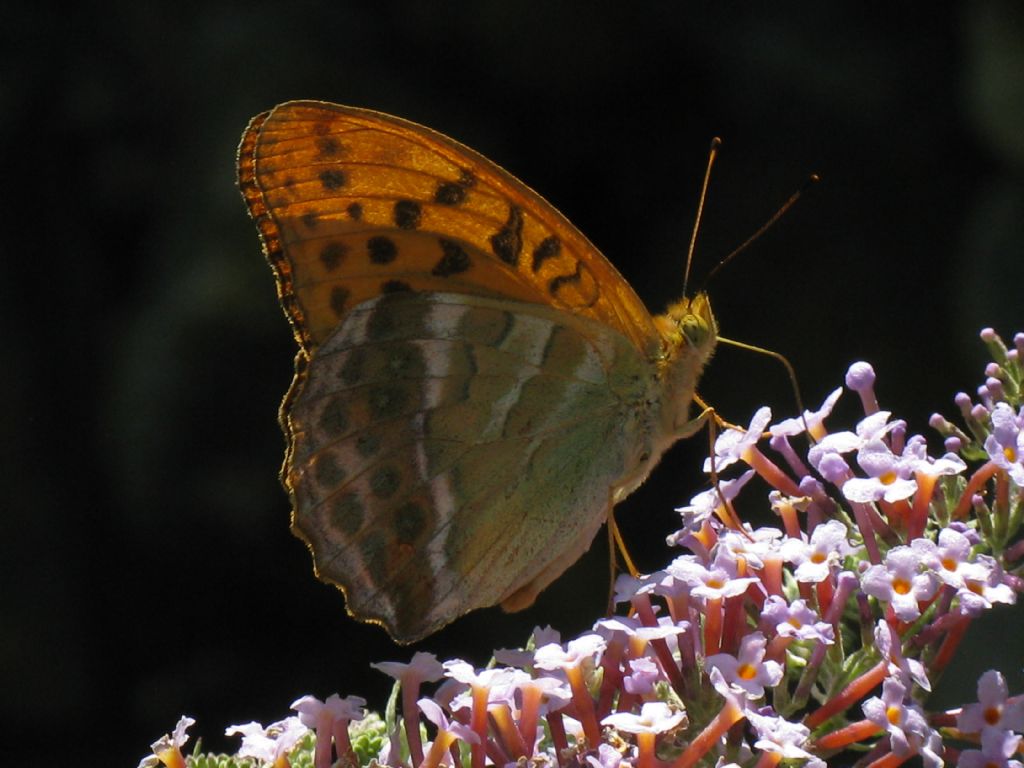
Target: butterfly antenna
x=712 y=154
x=811 y=180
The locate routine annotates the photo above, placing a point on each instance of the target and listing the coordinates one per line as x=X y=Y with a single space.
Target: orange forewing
x=351 y=203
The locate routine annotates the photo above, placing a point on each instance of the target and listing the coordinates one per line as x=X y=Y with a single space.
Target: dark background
x=147 y=569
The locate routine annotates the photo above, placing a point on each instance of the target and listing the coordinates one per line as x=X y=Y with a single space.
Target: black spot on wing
x=385 y=481
x=585 y=293
x=346 y=513
x=559 y=282
x=507 y=242
x=328 y=146
x=453 y=261
x=328 y=472
x=382 y=249
x=332 y=179
x=548 y=248
x=334 y=417
x=410 y=522
x=407 y=214
x=449 y=193
x=355 y=211
x=332 y=254
x=387 y=400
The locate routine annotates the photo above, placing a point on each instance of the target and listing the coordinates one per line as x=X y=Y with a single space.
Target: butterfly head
x=688 y=330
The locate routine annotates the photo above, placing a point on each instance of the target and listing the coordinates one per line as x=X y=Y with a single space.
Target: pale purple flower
x=732 y=443
x=680 y=576
x=905 y=723
x=752 y=545
x=703 y=505
x=520 y=657
x=997 y=747
x=830 y=465
x=493 y=679
x=717 y=582
x=329 y=719
x=666 y=629
x=501 y=684
x=901 y=582
x=555 y=693
x=795 y=620
x=654 y=717
x=643 y=674
x=424 y=667
x=815 y=559
x=311 y=708
x=826 y=455
x=627 y=587
x=746 y=674
x=433 y=712
x=271 y=744
x=607 y=757
x=607 y=628
x=860 y=377
x=580 y=651
x=814 y=420
x=984 y=586
x=1005 y=446
x=901 y=667
x=781 y=737
x=167 y=749
x=890 y=477
x=545 y=636
x=916 y=454
x=948 y=558
x=993 y=710
x=872 y=427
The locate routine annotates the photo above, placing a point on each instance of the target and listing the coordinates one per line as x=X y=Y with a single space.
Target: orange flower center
x=900 y=586
x=993 y=715
x=894 y=714
x=746 y=671
x=888 y=478
x=1010 y=453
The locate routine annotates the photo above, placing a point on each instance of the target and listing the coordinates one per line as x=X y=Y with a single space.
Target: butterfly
x=476 y=386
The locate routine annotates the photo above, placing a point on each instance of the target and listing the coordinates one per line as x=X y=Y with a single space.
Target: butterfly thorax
x=688 y=333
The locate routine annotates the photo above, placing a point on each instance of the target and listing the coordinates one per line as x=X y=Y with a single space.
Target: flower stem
x=856 y=690
x=708 y=738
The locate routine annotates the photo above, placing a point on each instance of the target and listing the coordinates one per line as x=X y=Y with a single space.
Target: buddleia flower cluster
x=813 y=642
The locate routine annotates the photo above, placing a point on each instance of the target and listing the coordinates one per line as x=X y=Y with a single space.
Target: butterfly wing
x=352 y=203
x=451 y=451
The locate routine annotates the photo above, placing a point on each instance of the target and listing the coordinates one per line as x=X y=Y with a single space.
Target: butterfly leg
x=714 y=422
x=616 y=548
x=694 y=425
x=707 y=411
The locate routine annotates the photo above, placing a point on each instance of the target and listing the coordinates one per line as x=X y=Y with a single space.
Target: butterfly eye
x=695 y=329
